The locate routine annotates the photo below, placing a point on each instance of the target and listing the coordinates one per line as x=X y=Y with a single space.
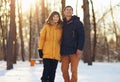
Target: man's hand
x=79 y=53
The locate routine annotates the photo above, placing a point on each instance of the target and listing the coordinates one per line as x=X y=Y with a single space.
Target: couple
x=61 y=41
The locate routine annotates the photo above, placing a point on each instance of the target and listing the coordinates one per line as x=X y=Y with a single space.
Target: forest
x=22 y=20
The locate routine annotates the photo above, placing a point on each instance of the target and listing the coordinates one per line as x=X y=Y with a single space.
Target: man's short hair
x=68 y=7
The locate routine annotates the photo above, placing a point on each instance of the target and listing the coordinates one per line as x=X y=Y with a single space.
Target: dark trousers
x=49 y=70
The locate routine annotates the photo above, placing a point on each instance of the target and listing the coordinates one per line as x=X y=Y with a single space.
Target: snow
x=98 y=72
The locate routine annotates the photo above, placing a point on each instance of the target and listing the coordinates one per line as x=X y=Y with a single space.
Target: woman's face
x=55 y=18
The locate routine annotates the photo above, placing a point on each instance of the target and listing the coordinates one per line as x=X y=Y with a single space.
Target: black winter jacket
x=73 y=36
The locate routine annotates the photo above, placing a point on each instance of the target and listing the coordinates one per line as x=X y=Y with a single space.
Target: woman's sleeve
x=42 y=38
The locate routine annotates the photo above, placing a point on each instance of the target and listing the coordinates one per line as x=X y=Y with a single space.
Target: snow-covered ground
x=98 y=72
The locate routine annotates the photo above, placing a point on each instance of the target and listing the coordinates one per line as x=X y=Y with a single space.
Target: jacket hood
x=72 y=18
x=75 y=17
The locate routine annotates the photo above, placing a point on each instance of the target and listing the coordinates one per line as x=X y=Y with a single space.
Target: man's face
x=68 y=12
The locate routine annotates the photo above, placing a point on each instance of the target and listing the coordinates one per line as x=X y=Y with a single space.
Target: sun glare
x=26 y=4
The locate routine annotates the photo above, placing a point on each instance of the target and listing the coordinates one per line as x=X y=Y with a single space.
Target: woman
x=49 y=45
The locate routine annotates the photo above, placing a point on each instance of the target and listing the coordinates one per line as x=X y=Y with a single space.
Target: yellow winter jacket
x=50 y=39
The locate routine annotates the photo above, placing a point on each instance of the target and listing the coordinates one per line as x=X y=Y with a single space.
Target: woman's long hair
x=50 y=18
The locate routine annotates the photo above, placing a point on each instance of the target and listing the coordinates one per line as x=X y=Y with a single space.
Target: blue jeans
x=49 y=70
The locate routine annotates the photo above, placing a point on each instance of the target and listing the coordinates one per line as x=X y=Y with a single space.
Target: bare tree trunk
x=30 y=20
x=14 y=38
x=1 y=29
x=33 y=35
x=76 y=7
x=4 y=25
x=37 y=16
x=106 y=43
x=63 y=6
x=10 y=42
x=95 y=31
x=38 y=26
x=114 y=25
x=20 y=30
x=47 y=10
x=87 y=47
x=43 y=11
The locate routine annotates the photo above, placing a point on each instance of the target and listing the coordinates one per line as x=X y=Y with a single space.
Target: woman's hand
x=40 y=53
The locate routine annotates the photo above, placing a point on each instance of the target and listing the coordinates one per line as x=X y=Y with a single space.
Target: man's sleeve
x=80 y=36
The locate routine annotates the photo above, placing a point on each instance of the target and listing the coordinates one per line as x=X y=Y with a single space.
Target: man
x=71 y=45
